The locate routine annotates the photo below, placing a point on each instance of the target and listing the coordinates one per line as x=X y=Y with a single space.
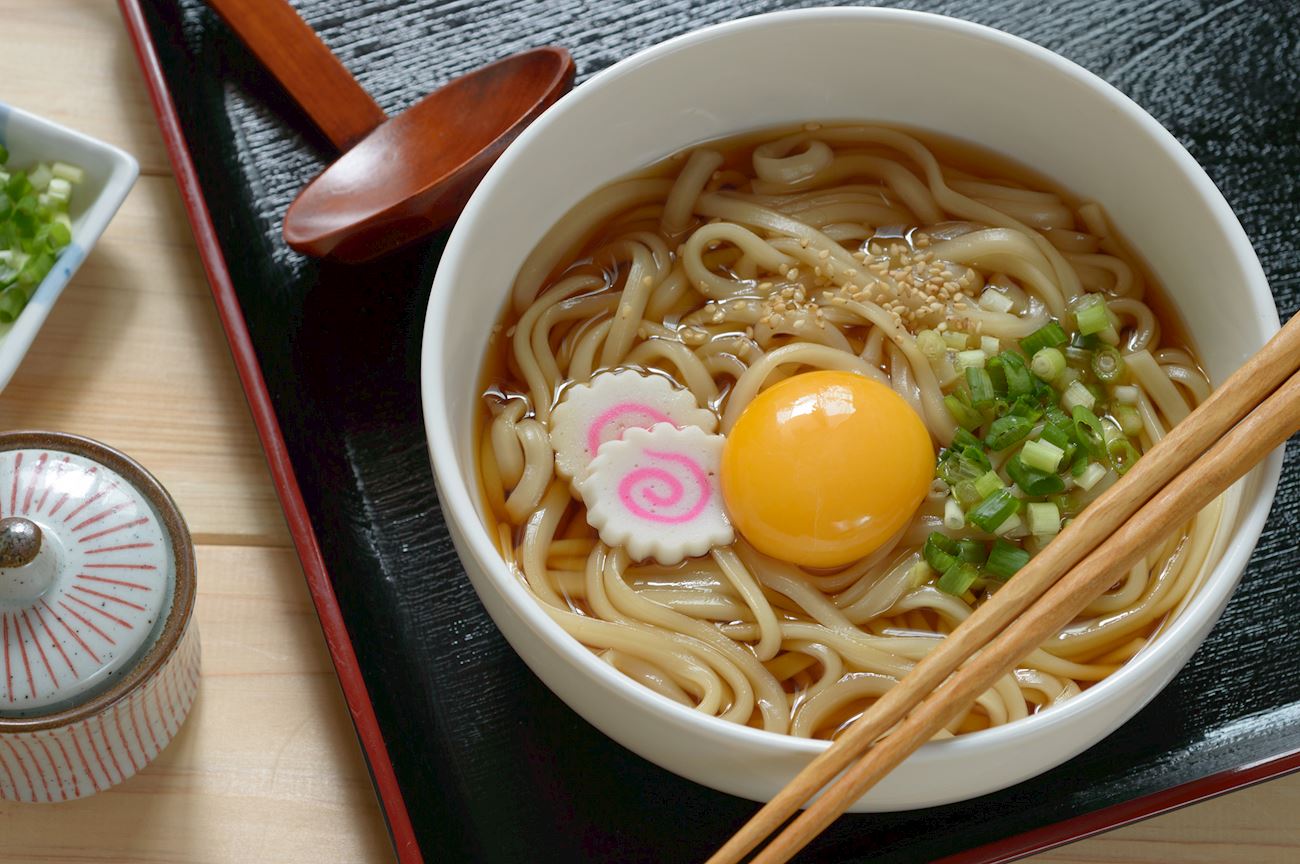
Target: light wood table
x=267 y=769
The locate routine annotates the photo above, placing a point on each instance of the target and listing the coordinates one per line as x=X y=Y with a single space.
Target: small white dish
x=868 y=65
x=110 y=174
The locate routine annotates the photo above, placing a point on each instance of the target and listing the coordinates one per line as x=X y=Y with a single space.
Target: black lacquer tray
x=473 y=758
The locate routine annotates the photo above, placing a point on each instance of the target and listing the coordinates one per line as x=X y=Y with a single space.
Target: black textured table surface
x=492 y=766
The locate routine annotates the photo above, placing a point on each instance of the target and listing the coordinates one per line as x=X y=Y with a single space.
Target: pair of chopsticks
x=1254 y=412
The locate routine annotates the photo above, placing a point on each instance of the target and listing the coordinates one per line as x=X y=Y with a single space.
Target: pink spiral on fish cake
x=646 y=482
x=615 y=414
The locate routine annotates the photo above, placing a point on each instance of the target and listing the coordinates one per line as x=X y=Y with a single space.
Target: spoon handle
x=305 y=67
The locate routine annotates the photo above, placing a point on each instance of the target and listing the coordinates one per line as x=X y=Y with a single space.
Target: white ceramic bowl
x=110 y=173
x=850 y=64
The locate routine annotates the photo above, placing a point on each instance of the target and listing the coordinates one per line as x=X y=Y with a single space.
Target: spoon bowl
x=400 y=178
x=414 y=173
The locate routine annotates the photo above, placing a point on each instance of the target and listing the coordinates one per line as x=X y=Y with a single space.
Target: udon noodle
x=740 y=263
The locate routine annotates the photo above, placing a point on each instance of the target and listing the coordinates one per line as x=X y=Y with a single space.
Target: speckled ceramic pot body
x=99 y=660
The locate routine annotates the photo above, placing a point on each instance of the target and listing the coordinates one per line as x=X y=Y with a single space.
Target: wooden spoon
x=400 y=178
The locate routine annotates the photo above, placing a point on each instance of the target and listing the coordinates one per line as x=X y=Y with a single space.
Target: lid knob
x=20 y=541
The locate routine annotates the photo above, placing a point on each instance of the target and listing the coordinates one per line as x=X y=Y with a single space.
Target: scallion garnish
x=1050 y=335
x=1008 y=430
x=954 y=518
x=1122 y=454
x=1059 y=437
x=1044 y=519
x=1090 y=315
x=939 y=551
x=958 y=578
x=966 y=416
x=34 y=227
x=1128 y=418
x=1041 y=455
x=1088 y=432
x=1078 y=394
x=1033 y=481
x=971 y=551
x=1107 y=364
x=981 y=386
x=988 y=483
x=989 y=514
x=1019 y=381
x=1005 y=559
x=1047 y=363
x=1090 y=475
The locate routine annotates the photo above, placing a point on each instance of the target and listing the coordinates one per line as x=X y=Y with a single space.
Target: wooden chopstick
x=1227 y=405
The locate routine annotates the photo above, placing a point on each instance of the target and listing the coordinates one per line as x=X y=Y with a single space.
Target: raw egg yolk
x=822 y=468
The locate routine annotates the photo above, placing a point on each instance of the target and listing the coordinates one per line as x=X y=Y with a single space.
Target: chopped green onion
x=995 y=301
x=994 y=510
x=1019 y=381
x=1005 y=559
x=997 y=374
x=1059 y=437
x=1008 y=430
x=1079 y=463
x=4 y=154
x=1122 y=454
x=939 y=551
x=1090 y=315
x=34 y=227
x=988 y=483
x=1088 y=432
x=931 y=344
x=981 y=386
x=1090 y=476
x=990 y=345
x=958 y=464
x=64 y=171
x=1107 y=364
x=1126 y=394
x=60 y=232
x=966 y=417
x=1050 y=335
x=1041 y=455
x=965 y=493
x=954 y=518
x=971 y=551
x=1011 y=524
x=1047 y=363
x=1032 y=481
x=1077 y=395
x=12 y=302
x=958 y=579
x=40 y=177
x=963 y=438
x=919 y=574
x=1128 y=418
x=956 y=341
x=1044 y=519
x=975 y=358
x=1070 y=375
x=1024 y=406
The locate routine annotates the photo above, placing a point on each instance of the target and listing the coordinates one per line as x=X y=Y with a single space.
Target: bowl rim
x=458 y=501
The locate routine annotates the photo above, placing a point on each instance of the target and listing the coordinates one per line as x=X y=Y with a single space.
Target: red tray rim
x=331 y=617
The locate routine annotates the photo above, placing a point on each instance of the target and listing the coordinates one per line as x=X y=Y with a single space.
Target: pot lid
x=87 y=577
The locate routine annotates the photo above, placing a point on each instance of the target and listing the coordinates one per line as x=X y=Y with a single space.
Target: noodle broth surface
x=874 y=242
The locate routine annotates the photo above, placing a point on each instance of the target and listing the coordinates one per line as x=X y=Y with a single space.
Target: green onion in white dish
x=34 y=227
